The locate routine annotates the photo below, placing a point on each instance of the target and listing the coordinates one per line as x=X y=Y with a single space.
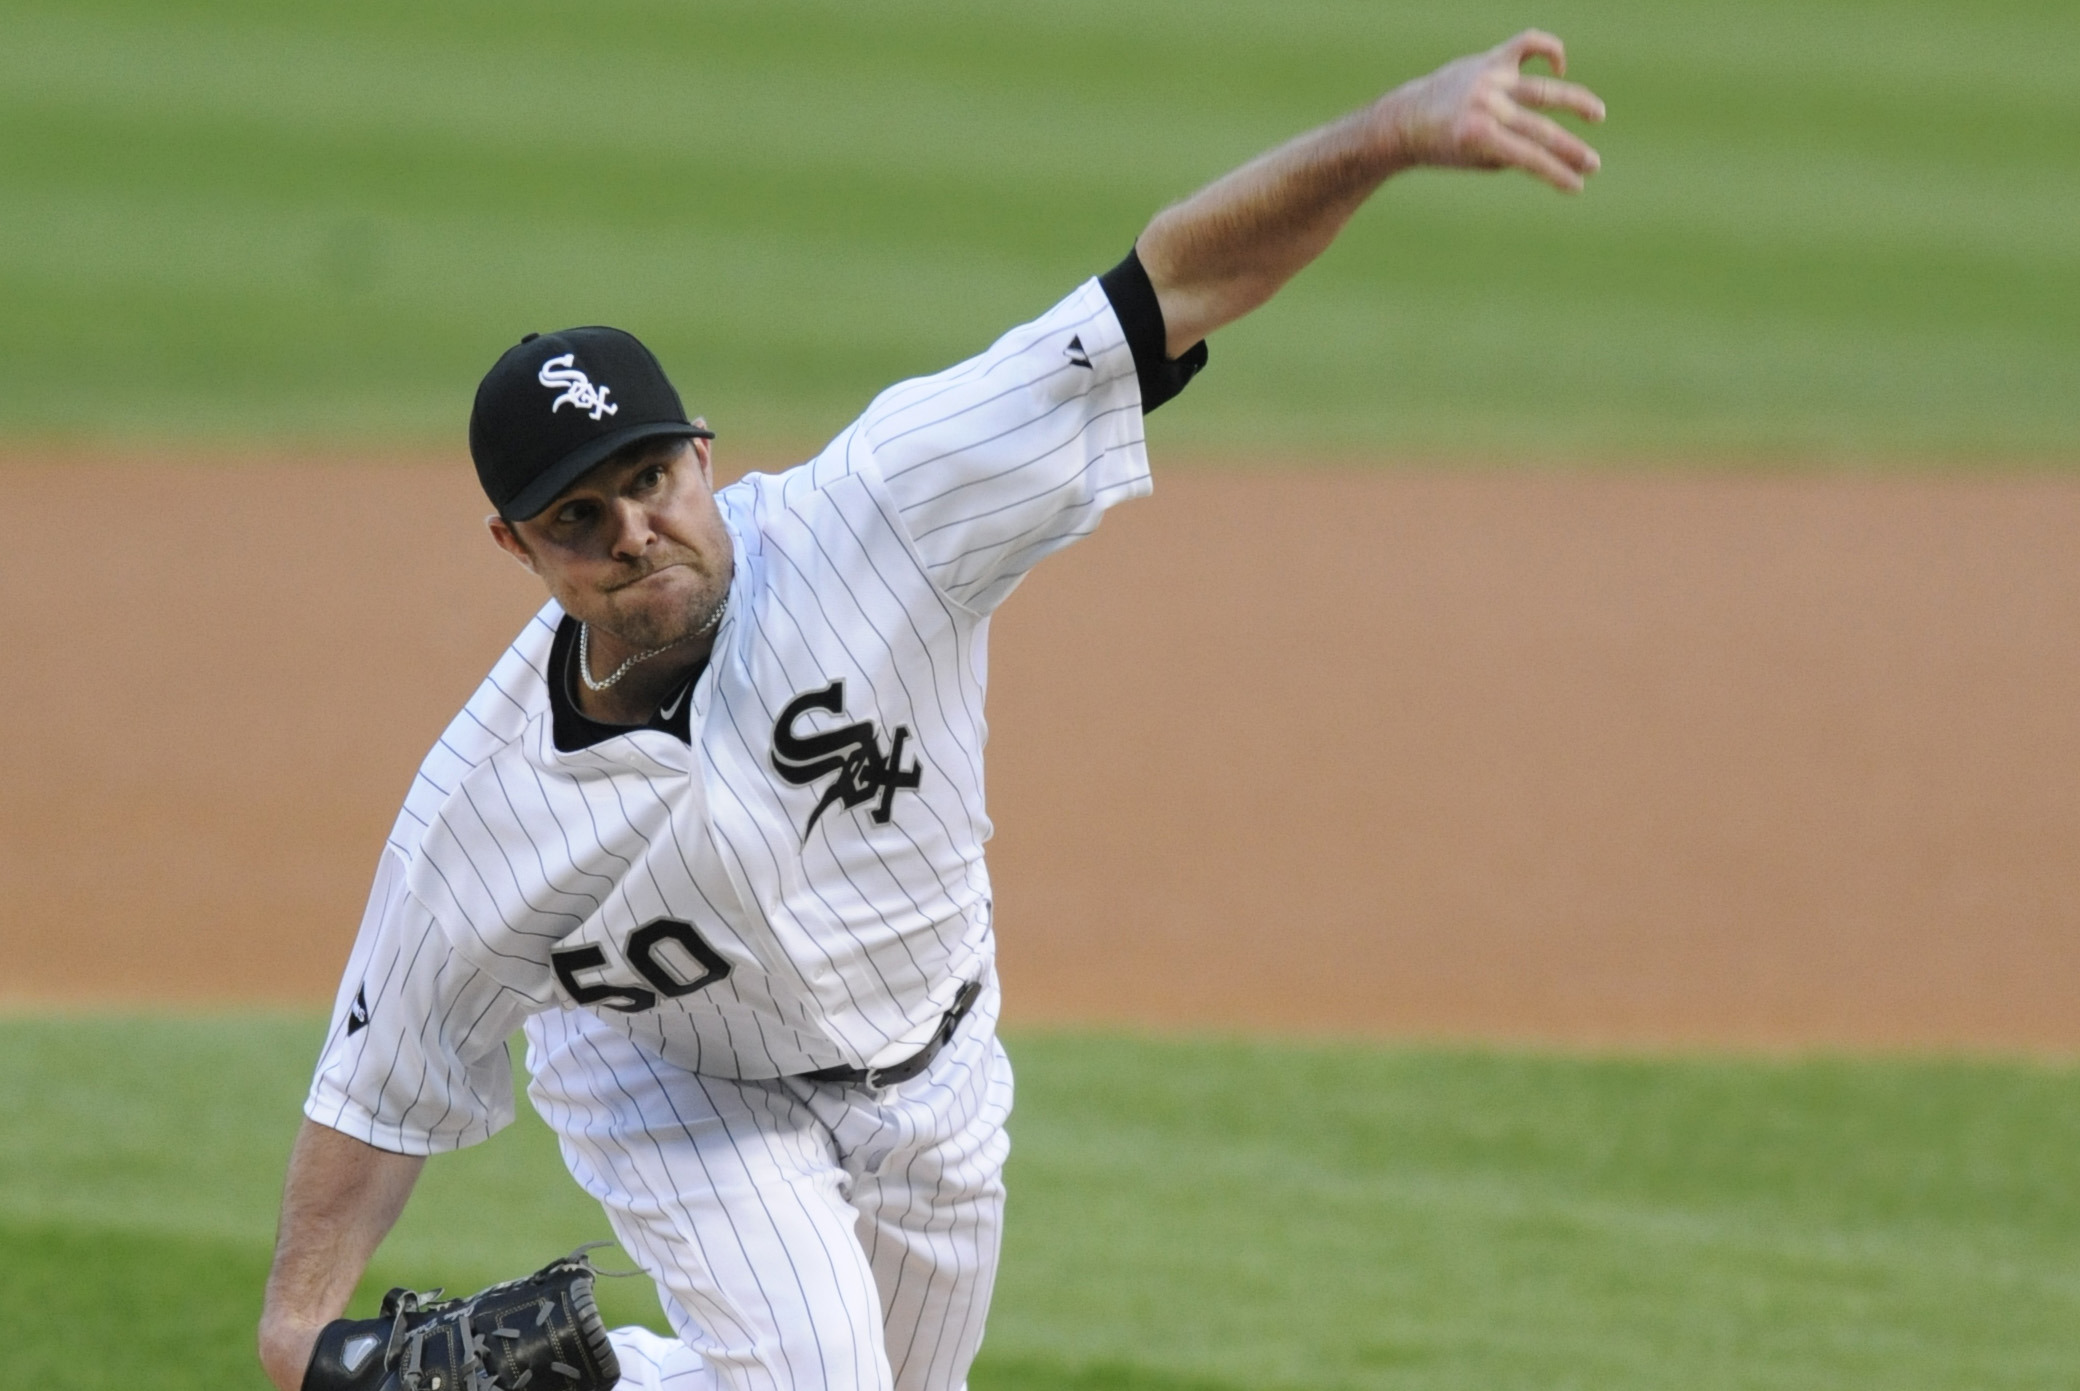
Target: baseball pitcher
x=711 y=832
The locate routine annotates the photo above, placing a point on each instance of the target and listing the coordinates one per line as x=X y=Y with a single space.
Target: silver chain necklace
x=585 y=649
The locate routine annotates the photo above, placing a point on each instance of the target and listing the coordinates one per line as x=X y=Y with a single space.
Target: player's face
x=636 y=547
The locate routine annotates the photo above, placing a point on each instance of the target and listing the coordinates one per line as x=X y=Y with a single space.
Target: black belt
x=914 y=1064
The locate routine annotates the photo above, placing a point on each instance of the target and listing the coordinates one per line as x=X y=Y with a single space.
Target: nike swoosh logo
x=667 y=711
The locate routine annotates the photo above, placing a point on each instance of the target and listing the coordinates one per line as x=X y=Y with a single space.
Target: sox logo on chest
x=851 y=751
x=671 y=957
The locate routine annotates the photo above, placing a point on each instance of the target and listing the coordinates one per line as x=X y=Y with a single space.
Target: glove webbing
x=474 y=1347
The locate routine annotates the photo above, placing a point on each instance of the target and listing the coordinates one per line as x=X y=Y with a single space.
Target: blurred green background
x=1186 y=1215
x=1826 y=232
x=1836 y=233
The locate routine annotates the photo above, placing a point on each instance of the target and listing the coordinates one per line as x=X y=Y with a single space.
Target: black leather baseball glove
x=541 y=1333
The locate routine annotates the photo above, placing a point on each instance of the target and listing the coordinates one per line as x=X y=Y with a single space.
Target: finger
x=1552 y=93
x=1537 y=43
x=1572 y=150
x=1517 y=152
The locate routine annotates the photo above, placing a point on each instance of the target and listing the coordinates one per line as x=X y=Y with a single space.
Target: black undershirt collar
x=573 y=729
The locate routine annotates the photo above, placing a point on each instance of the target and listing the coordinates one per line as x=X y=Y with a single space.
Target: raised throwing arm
x=1229 y=247
x=340 y=1201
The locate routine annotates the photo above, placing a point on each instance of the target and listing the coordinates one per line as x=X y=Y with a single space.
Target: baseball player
x=711 y=832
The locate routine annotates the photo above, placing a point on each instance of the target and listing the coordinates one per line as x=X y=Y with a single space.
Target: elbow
x=1194 y=312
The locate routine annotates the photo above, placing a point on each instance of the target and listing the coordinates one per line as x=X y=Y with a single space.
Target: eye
x=650 y=477
x=576 y=512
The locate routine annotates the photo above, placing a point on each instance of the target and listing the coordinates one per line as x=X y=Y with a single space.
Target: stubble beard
x=647 y=626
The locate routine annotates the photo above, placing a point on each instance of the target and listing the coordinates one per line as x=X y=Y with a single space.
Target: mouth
x=647 y=576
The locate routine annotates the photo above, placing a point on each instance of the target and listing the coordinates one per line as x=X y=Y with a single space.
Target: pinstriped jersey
x=785 y=872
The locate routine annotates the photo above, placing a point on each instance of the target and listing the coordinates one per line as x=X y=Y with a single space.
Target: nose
x=632 y=534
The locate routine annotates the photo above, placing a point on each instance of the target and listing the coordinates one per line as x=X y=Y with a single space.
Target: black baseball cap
x=557 y=403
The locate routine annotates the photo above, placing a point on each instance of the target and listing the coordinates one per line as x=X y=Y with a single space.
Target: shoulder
x=758 y=497
x=764 y=510
x=511 y=698
x=1059 y=357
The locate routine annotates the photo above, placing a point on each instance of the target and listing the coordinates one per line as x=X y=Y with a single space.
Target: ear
x=704 y=450
x=509 y=541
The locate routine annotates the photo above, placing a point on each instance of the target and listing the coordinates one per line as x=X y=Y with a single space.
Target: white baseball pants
x=804 y=1236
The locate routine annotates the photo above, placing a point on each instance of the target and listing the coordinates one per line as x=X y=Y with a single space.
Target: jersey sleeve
x=1000 y=461
x=415 y=1061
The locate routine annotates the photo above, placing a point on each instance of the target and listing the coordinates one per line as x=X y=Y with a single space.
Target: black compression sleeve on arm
x=1141 y=316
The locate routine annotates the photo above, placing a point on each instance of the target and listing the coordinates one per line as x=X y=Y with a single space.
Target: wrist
x=1391 y=127
x=285 y=1348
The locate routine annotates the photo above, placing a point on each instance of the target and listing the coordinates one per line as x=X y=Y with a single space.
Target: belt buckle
x=872 y=1081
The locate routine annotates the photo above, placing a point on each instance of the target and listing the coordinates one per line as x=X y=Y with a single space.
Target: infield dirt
x=1633 y=759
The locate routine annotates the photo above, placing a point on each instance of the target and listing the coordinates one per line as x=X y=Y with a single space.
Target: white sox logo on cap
x=578 y=389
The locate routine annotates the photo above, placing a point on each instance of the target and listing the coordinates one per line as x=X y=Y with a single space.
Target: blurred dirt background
x=1616 y=759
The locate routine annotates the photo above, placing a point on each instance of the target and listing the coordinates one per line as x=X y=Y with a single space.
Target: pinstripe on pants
x=804 y=1236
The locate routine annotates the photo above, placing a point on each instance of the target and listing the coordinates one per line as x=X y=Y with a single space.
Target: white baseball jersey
x=784 y=871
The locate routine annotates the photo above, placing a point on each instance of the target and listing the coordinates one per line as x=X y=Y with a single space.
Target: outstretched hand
x=1226 y=249
x=1483 y=112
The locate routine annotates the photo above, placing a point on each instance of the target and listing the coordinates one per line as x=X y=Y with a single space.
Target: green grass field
x=1828 y=230
x=1832 y=232
x=1187 y=1216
